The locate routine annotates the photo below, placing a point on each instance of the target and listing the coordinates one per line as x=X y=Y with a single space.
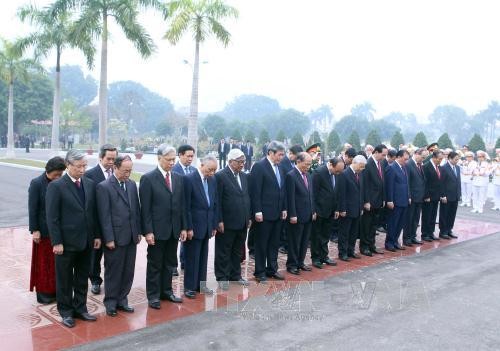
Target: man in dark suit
x=183 y=167
x=348 y=156
x=202 y=221
x=350 y=207
x=73 y=229
x=120 y=220
x=100 y=173
x=416 y=182
x=163 y=215
x=287 y=164
x=268 y=196
x=452 y=195
x=325 y=189
x=234 y=219
x=433 y=195
x=223 y=149
x=373 y=199
x=248 y=151
x=397 y=194
x=301 y=213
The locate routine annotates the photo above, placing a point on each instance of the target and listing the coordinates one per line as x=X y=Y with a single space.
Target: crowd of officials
x=77 y=216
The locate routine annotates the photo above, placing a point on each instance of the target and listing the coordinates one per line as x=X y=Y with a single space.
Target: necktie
x=186 y=170
x=379 y=169
x=77 y=183
x=205 y=186
x=109 y=173
x=357 y=177
x=304 y=177
x=122 y=185
x=455 y=171
x=167 y=181
x=333 y=181
x=438 y=173
x=278 y=177
x=420 y=167
x=403 y=169
x=237 y=176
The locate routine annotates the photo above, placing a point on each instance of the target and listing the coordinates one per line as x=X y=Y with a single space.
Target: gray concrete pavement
x=445 y=299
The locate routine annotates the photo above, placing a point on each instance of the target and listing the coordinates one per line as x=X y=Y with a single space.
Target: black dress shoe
x=407 y=243
x=125 y=308
x=154 y=304
x=190 y=294
x=427 y=239
x=328 y=261
x=451 y=235
x=111 y=313
x=206 y=291
x=262 y=280
x=85 y=316
x=416 y=242
x=445 y=237
x=318 y=264
x=173 y=298
x=391 y=249
x=223 y=285
x=434 y=238
x=241 y=281
x=68 y=322
x=366 y=253
x=381 y=229
x=305 y=268
x=283 y=250
x=95 y=289
x=399 y=247
x=276 y=275
x=354 y=255
x=293 y=271
x=377 y=251
x=344 y=258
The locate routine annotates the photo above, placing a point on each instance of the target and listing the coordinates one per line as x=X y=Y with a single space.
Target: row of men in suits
x=224 y=147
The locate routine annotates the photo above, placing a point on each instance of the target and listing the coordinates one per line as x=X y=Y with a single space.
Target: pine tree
x=497 y=144
x=373 y=138
x=420 y=140
x=281 y=136
x=297 y=139
x=444 y=142
x=354 y=140
x=314 y=138
x=333 y=142
x=263 y=137
x=397 y=139
x=476 y=143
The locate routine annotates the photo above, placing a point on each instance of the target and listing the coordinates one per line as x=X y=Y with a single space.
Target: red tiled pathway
x=27 y=325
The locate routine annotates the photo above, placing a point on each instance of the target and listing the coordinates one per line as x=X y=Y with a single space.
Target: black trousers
x=447 y=215
x=119 y=267
x=284 y=237
x=162 y=260
x=348 y=233
x=95 y=266
x=222 y=160
x=248 y=163
x=412 y=220
x=251 y=238
x=429 y=214
x=320 y=236
x=72 y=270
x=298 y=240
x=368 y=228
x=267 y=239
x=228 y=254
x=195 y=267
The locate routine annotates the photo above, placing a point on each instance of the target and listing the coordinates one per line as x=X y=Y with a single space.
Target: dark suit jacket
x=36 y=205
x=202 y=218
x=71 y=222
x=416 y=180
x=266 y=195
x=223 y=150
x=433 y=185
x=373 y=185
x=163 y=211
x=396 y=186
x=350 y=193
x=247 y=150
x=119 y=212
x=179 y=169
x=234 y=203
x=451 y=183
x=286 y=165
x=300 y=198
x=95 y=174
x=325 y=196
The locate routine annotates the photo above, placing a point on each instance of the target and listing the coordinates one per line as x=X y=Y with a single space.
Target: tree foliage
x=445 y=142
x=354 y=140
x=247 y=107
x=420 y=140
x=373 y=138
x=477 y=143
x=297 y=139
x=397 y=140
x=81 y=89
x=333 y=143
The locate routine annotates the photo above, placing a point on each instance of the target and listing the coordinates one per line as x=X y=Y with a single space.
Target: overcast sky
x=407 y=56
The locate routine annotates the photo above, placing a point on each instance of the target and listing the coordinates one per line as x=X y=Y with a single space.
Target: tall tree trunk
x=56 y=108
x=193 y=113
x=10 y=121
x=103 y=85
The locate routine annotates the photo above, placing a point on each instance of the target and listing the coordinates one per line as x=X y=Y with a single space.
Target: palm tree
x=94 y=16
x=14 y=66
x=203 y=19
x=53 y=32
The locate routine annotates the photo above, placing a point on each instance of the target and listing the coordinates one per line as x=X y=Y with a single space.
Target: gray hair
x=359 y=159
x=165 y=149
x=208 y=158
x=74 y=155
x=275 y=146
